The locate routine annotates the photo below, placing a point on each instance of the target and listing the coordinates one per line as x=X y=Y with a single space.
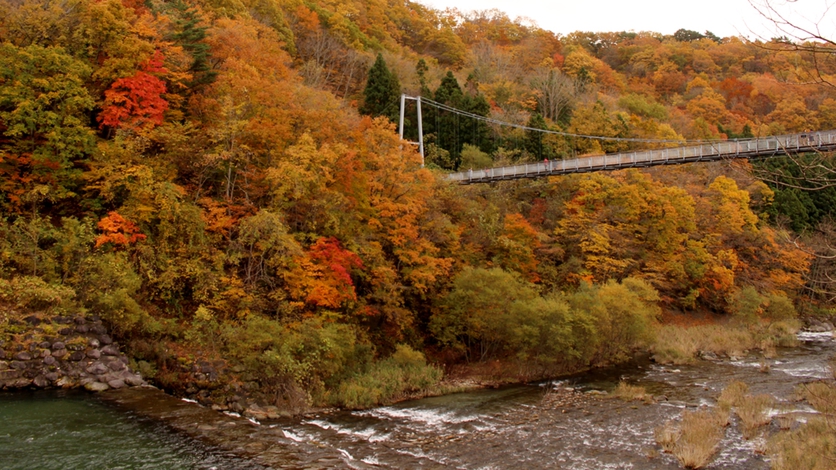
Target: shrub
x=34 y=292
x=405 y=372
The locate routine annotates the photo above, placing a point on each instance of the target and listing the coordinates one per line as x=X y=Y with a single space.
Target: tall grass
x=753 y=412
x=695 y=439
x=681 y=345
x=627 y=392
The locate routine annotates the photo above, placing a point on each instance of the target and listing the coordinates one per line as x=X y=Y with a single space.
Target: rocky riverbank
x=62 y=351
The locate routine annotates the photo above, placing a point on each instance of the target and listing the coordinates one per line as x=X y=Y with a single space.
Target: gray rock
x=110 y=350
x=105 y=339
x=31 y=373
x=32 y=320
x=134 y=381
x=23 y=356
x=65 y=331
x=44 y=345
x=4 y=365
x=62 y=320
x=52 y=376
x=58 y=345
x=9 y=374
x=94 y=354
x=40 y=381
x=96 y=386
x=98 y=329
x=66 y=382
x=49 y=360
x=93 y=343
x=116 y=383
x=116 y=365
x=82 y=329
x=19 y=383
x=97 y=369
x=18 y=365
x=59 y=353
x=2 y=354
x=77 y=356
x=80 y=320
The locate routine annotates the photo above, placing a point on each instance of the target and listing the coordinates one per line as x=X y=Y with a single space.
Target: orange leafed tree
x=323 y=277
x=137 y=100
x=117 y=230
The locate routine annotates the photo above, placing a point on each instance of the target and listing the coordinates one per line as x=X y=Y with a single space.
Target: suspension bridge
x=674 y=153
x=763 y=147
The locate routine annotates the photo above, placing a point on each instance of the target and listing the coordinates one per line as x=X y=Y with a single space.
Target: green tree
x=382 y=93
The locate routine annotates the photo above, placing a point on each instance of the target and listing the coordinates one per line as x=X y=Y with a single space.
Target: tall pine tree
x=382 y=93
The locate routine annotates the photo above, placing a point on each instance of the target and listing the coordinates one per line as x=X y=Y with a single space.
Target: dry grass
x=753 y=413
x=680 y=344
x=628 y=392
x=813 y=444
x=694 y=441
x=732 y=395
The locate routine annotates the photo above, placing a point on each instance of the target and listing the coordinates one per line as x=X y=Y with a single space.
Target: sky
x=722 y=17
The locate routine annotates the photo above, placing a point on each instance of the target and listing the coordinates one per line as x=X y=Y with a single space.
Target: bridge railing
x=711 y=151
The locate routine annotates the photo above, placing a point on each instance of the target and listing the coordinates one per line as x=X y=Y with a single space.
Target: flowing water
x=563 y=424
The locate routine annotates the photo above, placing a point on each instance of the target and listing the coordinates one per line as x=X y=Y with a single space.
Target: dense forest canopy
x=224 y=180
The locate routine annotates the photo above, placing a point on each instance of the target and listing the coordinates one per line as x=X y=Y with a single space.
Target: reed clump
x=627 y=392
x=694 y=440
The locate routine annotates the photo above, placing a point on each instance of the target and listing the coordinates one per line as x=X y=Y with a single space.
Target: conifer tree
x=382 y=92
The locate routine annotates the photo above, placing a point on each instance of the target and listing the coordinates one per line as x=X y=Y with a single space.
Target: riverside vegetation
x=223 y=186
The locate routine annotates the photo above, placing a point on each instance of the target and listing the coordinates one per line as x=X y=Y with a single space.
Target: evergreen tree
x=382 y=92
x=191 y=37
x=536 y=148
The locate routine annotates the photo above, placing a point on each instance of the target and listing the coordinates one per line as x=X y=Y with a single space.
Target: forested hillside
x=223 y=183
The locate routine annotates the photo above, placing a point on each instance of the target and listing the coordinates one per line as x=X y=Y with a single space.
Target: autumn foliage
x=199 y=174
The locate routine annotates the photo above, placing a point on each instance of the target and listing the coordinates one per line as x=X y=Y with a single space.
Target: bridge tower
x=420 y=142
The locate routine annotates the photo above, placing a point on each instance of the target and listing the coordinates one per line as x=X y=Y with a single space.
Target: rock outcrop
x=62 y=352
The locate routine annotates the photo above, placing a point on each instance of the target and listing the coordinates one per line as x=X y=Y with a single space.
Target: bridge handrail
x=710 y=151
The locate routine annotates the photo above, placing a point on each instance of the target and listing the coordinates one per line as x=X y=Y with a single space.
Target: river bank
x=571 y=422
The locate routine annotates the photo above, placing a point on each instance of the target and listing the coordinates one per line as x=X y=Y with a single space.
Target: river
x=560 y=424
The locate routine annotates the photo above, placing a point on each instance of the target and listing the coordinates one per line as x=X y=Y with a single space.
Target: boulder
x=134 y=380
x=96 y=386
x=23 y=356
x=94 y=354
x=18 y=365
x=82 y=329
x=40 y=381
x=32 y=320
x=116 y=365
x=80 y=320
x=97 y=369
x=116 y=384
x=49 y=360
x=52 y=376
x=93 y=343
x=110 y=350
x=66 y=382
x=77 y=356
x=59 y=353
x=58 y=345
x=105 y=339
x=65 y=331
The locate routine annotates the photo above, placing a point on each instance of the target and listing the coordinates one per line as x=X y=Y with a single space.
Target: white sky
x=721 y=17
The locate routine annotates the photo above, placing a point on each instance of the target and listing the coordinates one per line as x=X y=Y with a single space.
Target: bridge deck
x=750 y=148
